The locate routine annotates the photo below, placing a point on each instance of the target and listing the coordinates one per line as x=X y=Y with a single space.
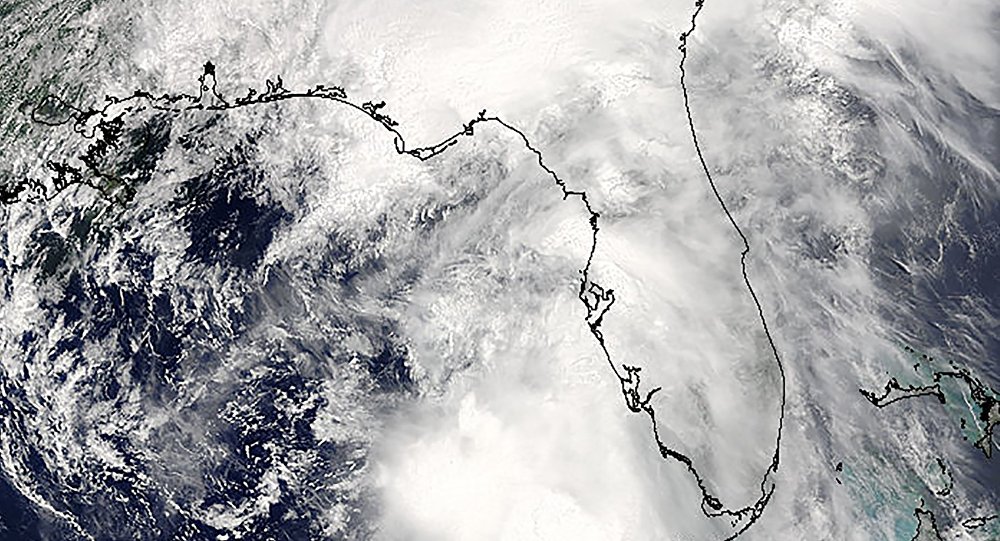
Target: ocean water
x=270 y=324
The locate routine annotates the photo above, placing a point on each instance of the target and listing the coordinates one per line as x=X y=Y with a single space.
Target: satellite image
x=514 y=270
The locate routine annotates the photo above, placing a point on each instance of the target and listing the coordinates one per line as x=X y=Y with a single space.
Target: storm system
x=308 y=270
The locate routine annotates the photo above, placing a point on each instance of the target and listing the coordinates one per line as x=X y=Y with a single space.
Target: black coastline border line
x=983 y=396
x=766 y=491
x=104 y=126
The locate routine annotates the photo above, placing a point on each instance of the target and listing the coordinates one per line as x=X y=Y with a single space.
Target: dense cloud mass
x=272 y=322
